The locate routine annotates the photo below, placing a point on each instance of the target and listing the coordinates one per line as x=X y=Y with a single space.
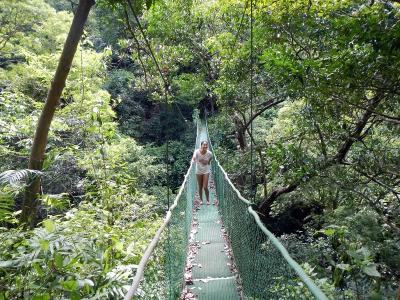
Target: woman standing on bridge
x=202 y=157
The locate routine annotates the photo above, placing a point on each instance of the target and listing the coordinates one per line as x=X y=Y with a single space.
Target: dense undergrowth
x=323 y=142
x=103 y=185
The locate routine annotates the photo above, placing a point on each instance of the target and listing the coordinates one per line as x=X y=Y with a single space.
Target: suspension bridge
x=222 y=250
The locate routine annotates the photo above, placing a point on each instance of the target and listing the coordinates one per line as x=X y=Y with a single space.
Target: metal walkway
x=213 y=264
x=212 y=276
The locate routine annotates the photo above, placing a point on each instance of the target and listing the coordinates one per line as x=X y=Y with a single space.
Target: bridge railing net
x=176 y=243
x=179 y=227
x=264 y=272
x=164 y=274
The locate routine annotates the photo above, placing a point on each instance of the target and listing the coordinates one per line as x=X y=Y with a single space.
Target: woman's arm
x=194 y=156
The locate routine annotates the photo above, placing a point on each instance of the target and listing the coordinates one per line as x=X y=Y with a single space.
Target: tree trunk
x=240 y=132
x=265 y=207
x=212 y=106
x=29 y=206
x=262 y=164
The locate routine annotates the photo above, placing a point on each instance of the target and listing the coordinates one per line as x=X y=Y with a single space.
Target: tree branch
x=372 y=178
x=321 y=139
x=129 y=27
x=341 y=154
x=268 y=104
x=262 y=162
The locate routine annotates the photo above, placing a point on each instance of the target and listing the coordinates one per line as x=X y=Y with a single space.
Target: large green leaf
x=371 y=270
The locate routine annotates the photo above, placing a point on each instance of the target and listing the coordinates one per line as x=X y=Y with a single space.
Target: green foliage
x=12 y=183
x=190 y=88
x=17 y=19
x=6 y=206
x=63 y=258
x=323 y=62
x=92 y=175
x=180 y=154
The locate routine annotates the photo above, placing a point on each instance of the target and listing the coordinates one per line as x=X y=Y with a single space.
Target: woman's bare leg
x=200 y=185
x=205 y=187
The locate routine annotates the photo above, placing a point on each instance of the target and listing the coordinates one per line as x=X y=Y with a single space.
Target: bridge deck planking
x=212 y=276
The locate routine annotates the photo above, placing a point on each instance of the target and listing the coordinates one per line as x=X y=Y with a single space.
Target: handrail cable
x=140 y=270
x=146 y=40
x=146 y=256
x=315 y=290
x=277 y=244
x=149 y=250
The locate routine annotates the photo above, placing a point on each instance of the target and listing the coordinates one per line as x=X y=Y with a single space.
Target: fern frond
x=6 y=205
x=15 y=177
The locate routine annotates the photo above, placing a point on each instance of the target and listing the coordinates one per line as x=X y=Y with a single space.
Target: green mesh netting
x=178 y=235
x=264 y=271
x=164 y=274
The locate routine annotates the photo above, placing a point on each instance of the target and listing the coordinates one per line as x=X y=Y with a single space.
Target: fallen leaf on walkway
x=188 y=295
x=195 y=245
x=188 y=278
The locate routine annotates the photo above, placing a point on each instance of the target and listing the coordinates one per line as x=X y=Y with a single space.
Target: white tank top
x=200 y=167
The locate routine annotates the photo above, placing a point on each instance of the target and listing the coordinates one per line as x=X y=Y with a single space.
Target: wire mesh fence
x=164 y=274
x=265 y=268
x=178 y=236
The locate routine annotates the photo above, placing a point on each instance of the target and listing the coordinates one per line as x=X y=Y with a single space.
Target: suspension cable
x=165 y=89
x=163 y=126
x=240 y=27
x=232 y=47
x=252 y=193
x=146 y=40
x=147 y=43
x=236 y=38
x=82 y=78
x=251 y=100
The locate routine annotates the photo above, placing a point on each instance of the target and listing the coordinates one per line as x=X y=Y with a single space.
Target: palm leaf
x=15 y=177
